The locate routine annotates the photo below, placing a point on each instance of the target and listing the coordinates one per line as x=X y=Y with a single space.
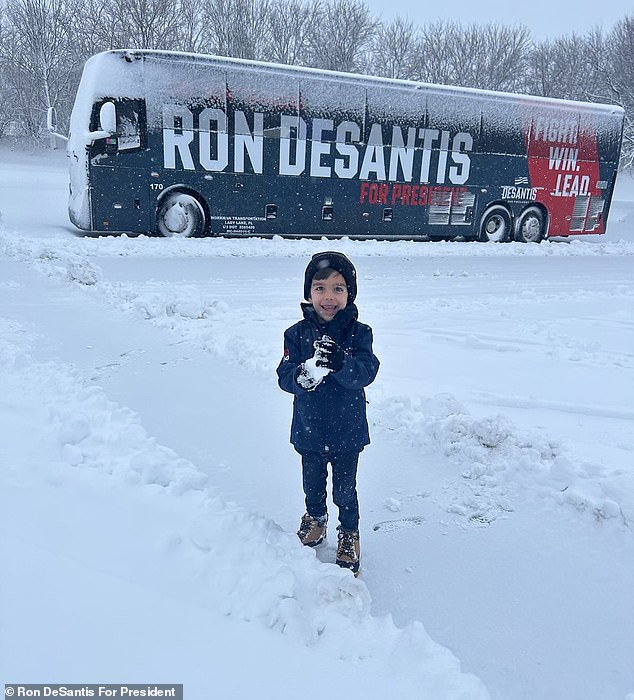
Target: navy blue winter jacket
x=332 y=417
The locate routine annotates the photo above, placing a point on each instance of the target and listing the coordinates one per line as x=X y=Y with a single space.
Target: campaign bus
x=179 y=144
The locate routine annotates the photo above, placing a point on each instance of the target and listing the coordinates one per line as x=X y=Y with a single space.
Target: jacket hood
x=338 y=262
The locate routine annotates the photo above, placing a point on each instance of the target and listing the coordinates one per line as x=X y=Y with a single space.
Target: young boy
x=328 y=360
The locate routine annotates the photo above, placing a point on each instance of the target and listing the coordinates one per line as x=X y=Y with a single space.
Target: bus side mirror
x=108 y=118
x=107 y=123
x=51 y=126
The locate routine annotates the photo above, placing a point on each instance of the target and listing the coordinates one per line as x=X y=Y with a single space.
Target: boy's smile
x=329 y=296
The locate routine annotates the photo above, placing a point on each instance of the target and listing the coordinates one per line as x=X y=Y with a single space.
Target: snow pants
x=344 y=485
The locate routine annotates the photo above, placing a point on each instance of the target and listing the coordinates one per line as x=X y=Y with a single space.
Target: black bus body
x=190 y=145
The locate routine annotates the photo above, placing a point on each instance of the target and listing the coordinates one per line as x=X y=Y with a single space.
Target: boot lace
x=346 y=544
x=308 y=522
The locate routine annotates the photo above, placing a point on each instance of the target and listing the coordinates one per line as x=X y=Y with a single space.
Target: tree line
x=44 y=44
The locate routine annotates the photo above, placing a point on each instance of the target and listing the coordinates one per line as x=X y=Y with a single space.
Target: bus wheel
x=531 y=226
x=495 y=225
x=180 y=215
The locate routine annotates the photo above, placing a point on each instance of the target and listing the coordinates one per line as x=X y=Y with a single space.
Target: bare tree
x=392 y=49
x=492 y=56
x=288 y=30
x=191 y=28
x=44 y=43
x=6 y=116
x=561 y=68
x=235 y=27
x=612 y=58
x=341 y=35
x=158 y=24
x=38 y=58
x=504 y=56
x=94 y=28
x=146 y=24
x=432 y=53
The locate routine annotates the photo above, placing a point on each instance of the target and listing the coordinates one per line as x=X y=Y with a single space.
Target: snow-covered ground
x=149 y=495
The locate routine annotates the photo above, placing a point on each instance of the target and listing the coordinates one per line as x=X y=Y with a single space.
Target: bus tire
x=531 y=226
x=180 y=215
x=495 y=225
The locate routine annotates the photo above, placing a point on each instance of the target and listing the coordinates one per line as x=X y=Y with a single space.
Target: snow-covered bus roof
x=97 y=65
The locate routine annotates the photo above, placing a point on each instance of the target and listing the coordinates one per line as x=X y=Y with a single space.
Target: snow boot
x=312 y=531
x=348 y=551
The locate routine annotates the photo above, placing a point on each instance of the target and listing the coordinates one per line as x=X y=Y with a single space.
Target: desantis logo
x=528 y=194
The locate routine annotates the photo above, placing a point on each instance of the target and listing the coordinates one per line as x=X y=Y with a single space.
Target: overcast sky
x=545 y=18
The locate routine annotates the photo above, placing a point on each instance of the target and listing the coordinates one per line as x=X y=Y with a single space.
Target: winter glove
x=328 y=354
x=311 y=373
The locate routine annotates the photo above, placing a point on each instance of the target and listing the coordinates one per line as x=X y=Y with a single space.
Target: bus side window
x=130 y=124
x=130 y=127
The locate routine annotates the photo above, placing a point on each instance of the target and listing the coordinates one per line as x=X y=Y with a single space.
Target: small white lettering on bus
x=443 y=157
x=512 y=192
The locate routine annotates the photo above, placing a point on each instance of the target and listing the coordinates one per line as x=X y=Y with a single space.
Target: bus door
x=119 y=171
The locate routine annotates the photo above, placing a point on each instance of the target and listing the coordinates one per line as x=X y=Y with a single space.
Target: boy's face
x=329 y=296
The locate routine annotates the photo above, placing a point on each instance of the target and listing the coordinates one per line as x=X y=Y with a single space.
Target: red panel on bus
x=563 y=164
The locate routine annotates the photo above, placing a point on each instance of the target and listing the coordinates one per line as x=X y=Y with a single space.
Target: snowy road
x=498 y=494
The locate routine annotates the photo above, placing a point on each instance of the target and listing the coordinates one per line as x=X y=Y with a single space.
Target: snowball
x=74 y=430
x=84 y=272
x=72 y=455
x=393 y=504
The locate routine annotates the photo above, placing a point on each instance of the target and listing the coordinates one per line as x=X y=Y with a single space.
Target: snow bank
x=126 y=246
x=501 y=463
